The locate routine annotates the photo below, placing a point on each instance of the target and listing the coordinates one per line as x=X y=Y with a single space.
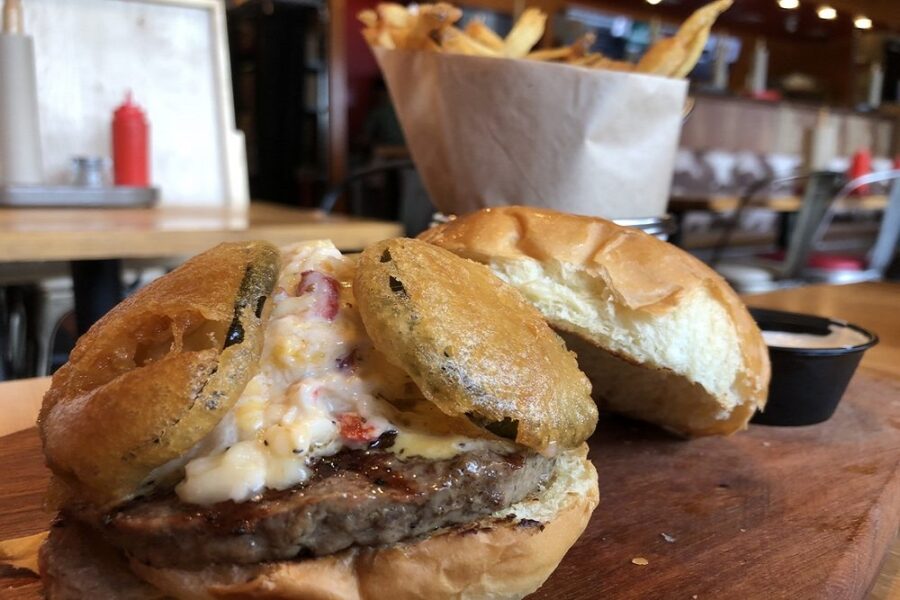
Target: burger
x=296 y=423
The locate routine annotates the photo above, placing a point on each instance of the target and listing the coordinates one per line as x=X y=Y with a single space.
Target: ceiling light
x=654 y=2
x=861 y=22
x=826 y=12
x=789 y=4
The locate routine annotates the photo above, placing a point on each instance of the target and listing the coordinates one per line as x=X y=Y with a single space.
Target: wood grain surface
x=875 y=307
x=793 y=513
x=71 y=234
x=20 y=402
x=725 y=203
x=22 y=489
x=769 y=513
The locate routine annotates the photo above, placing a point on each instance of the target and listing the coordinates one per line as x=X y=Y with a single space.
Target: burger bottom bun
x=76 y=564
x=506 y=556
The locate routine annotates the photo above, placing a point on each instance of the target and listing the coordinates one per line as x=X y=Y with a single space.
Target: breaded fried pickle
x=472 y=344
x=158 y=372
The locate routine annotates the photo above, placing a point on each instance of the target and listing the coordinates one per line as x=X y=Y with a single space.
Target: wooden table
x=645 y=492
x=719 y=203
x=28 y=235
x=94 y=239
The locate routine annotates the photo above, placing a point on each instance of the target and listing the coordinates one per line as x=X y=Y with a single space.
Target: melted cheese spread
x=321 y=386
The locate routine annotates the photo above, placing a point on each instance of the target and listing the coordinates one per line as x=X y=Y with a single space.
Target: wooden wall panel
x=736 y=124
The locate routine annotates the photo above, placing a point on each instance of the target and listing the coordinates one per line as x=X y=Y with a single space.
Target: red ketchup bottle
x=860 y=164
x=130 y=145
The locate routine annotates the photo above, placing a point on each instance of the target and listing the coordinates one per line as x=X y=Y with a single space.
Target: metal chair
x=34 y=300
x=822 y=190
x=880 y=255
x=414 y=209
x=331 y=196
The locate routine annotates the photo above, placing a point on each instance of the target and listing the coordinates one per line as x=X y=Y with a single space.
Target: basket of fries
x=489 y=121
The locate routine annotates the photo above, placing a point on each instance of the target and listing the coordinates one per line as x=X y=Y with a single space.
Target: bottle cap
x=128 y=109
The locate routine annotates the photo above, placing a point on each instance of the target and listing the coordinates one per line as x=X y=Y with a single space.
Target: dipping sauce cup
x=813 y=360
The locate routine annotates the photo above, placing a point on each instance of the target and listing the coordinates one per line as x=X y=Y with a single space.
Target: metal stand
x=821 y=189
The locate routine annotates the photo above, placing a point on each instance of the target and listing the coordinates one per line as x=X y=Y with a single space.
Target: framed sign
x=172 y=55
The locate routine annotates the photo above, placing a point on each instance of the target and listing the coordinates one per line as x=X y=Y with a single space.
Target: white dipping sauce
x=838 y=337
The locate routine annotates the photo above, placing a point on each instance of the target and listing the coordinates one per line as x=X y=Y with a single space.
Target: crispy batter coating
x=472 y=344
x=158 y=372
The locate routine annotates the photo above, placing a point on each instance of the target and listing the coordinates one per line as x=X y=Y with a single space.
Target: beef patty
x=356 y=497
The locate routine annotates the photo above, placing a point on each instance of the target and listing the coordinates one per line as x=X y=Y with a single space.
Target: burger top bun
x=662 y=337
x=473 y=345
x=157 y=373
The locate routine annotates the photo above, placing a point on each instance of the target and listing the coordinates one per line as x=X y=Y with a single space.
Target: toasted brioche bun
x=75 y=564
x=662 y=337
x=505 y=556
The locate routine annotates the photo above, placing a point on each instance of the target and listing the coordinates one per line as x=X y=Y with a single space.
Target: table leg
x=97 y=286
x=786 y=222
x=676 y=238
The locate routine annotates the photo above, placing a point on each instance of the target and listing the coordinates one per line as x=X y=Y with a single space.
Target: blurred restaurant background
x=269 y=114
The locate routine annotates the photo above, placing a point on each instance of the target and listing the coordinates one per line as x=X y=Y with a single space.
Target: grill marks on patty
x=356 y=497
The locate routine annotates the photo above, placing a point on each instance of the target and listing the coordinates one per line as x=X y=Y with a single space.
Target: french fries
x=527 y=32
x=677 y=56
x=563 y=53
x=570 y=54
x=664 y=57
x=456 y=41
x=433 y=27
x=480 y=32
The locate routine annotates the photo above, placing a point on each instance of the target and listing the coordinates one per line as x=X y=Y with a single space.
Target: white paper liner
x=489 y=132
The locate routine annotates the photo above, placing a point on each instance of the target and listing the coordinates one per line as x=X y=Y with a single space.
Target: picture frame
x=174 y=56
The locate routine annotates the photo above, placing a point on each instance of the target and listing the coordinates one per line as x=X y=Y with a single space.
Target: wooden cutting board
x=770 y=513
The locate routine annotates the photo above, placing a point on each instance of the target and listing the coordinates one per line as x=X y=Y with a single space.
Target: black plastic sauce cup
x=807 y=383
